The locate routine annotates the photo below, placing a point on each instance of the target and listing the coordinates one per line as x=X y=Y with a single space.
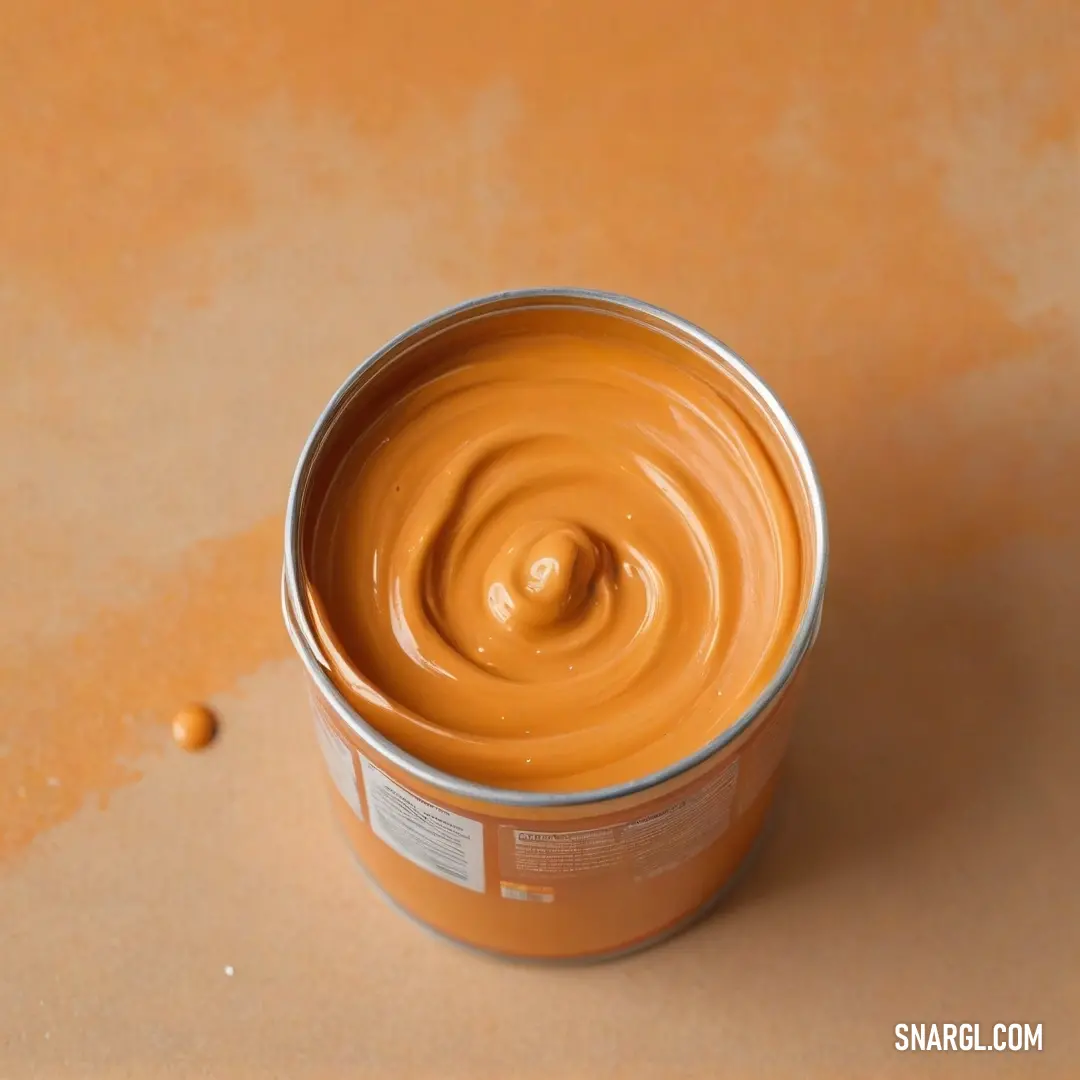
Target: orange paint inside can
x=554 y=560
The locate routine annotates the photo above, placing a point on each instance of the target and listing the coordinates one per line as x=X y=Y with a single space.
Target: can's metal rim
x=601 y=303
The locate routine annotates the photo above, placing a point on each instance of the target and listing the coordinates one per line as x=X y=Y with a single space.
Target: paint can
x=566 y=875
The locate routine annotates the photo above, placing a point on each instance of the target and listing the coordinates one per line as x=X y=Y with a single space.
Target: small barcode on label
x=516 y=892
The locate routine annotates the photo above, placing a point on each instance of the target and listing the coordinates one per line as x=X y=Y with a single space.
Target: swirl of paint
x=555 y=564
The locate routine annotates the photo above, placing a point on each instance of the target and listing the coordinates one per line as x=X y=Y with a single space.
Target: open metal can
x=566 y=875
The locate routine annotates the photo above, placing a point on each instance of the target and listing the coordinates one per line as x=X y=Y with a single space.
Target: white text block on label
x=339 y=763
x=442 y=842
x=647 y=846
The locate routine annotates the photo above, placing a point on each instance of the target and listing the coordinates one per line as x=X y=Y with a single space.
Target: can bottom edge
x=672 y=930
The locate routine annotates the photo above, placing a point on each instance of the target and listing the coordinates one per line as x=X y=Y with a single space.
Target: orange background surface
x=209 y=213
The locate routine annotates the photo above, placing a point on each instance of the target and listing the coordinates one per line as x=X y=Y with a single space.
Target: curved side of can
x=681 y=926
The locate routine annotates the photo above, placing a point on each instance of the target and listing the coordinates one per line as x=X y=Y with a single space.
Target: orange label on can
x=564 y=884
x=647 y=846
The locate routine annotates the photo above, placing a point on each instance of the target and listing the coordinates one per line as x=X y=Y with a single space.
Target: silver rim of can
x=602 y=303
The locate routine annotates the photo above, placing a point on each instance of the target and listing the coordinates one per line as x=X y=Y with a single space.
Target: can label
x=446 y=844
x=646 y=846
x=339 y=763
x=519 y=890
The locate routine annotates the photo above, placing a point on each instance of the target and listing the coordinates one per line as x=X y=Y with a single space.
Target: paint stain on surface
x=123 y=133
x=78 y=722
x=795 y=169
